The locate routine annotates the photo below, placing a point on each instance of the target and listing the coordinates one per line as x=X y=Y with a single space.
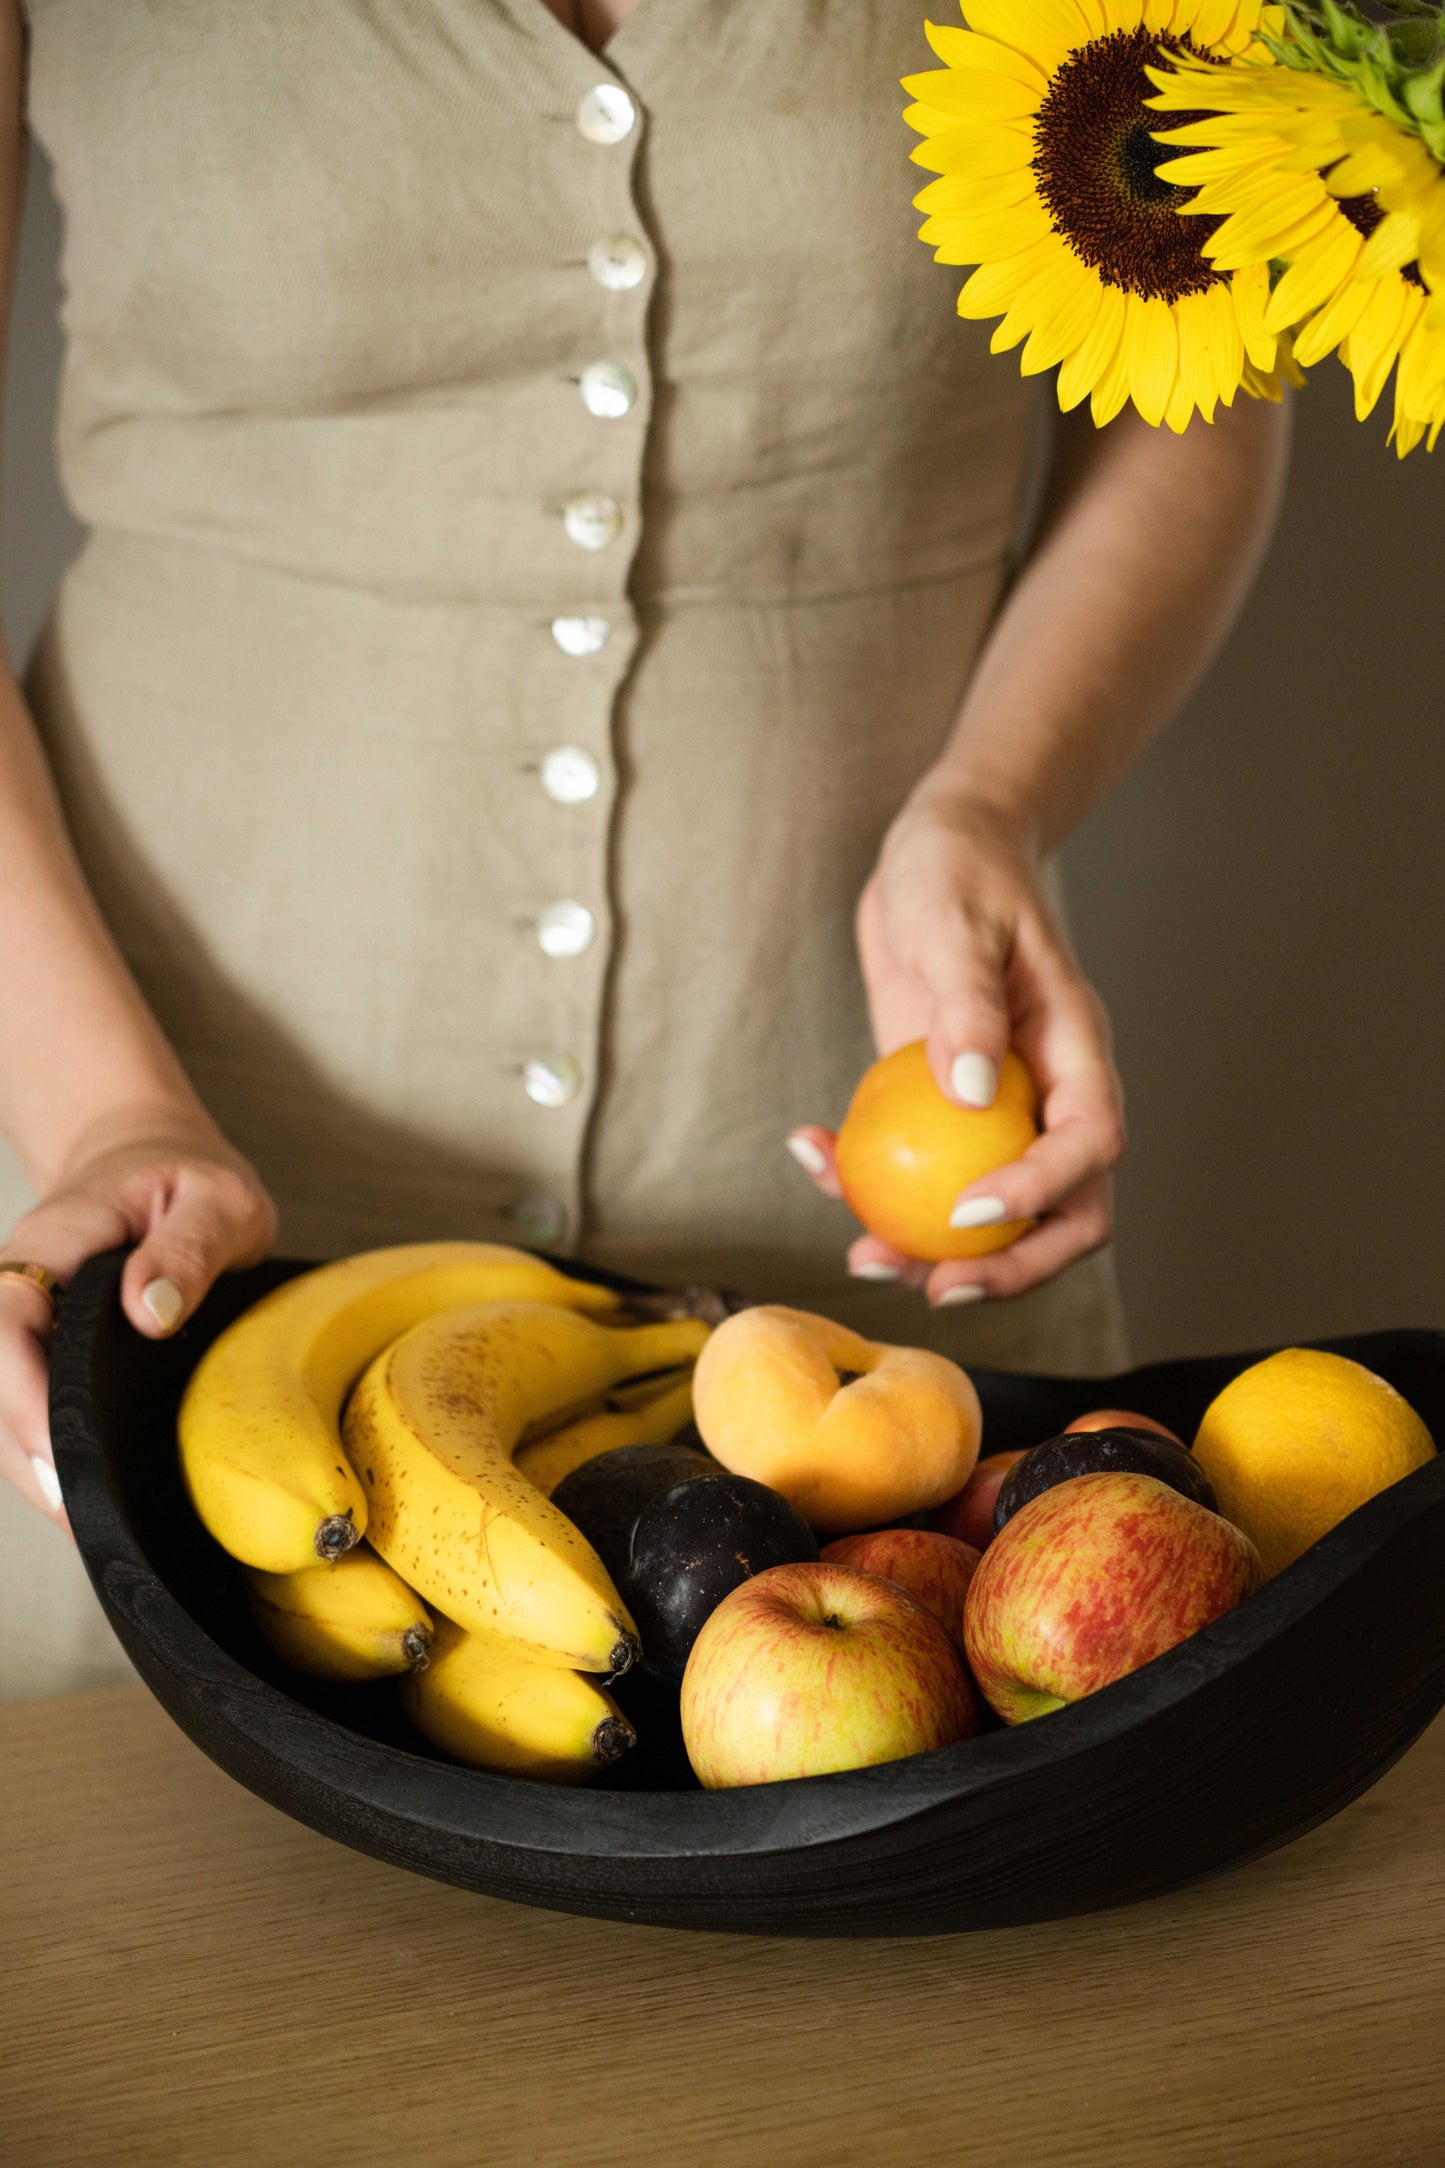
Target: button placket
x=592 y=633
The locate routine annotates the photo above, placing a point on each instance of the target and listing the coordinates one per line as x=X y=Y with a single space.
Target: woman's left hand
x=960 y=947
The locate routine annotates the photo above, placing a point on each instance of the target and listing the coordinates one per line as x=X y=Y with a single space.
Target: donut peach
x=854 y=1433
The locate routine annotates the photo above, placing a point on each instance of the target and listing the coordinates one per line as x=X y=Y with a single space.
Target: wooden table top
x=190 y=1978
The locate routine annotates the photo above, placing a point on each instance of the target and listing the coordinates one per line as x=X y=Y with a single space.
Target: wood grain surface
x=189 y=1978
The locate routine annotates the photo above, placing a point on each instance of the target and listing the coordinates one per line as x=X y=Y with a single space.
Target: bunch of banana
x=486 y=1700
x=431 y=1430
x=351 y=1619
x=653 y=1419
x=260 y=1423
x=453 y=1356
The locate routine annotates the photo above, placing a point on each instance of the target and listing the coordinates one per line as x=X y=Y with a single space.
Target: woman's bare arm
x=1147 y=546
x=112 y=1136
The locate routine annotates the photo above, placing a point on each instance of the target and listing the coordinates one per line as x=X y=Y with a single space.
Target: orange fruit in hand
x=905 y=1154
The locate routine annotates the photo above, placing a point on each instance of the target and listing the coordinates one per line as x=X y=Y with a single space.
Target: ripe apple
x=810 y=1668
x=935 y=1568
x=968 y=1515
x=1091 y=1580
x=1118 y=1419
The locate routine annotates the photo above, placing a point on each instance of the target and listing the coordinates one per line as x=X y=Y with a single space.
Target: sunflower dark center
x=1365 y=214
x=1094 y=162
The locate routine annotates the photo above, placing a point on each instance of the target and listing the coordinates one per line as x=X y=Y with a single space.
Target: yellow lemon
x=1300 y=1440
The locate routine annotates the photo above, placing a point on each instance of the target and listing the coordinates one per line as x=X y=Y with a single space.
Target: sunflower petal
x=1180 y=410
x=992 y=155
x=1226 y=341
x=999 y=192
x=1394 y=243
x=1151 y=338
x=995 y=286
x=1373 y=346
x=1334 y=324
x=965 y=49
x=1045 y=31
x=1062 y=329
x=1193 y=316
x=973 y=94
x=1211 y=20
x=1000 y=233
x=1111 y=393
x=1420 y=378
x=1248 y=243
x=1090 y=361
x=1314 y=277
x=1251 y=300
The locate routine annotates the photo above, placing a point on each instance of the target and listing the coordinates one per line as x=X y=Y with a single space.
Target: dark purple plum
x=1101 y=1452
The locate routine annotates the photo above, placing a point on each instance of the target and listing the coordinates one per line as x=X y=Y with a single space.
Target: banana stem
x=336 y=1536
x=613 y=1736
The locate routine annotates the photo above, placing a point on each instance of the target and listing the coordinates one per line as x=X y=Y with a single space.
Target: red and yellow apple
x=936 y=1569
x=968 y=1515
x=811 y=1668
x=1119 y=1419
x=1089 y=1581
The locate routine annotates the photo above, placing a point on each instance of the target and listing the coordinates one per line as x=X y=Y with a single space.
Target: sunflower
x=1295 y=167
x=1038 y=128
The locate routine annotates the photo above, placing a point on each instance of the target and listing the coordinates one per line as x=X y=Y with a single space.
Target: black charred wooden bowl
x=1256 y=1730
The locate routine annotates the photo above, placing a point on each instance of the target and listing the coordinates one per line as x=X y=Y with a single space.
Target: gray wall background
x=1262 y=903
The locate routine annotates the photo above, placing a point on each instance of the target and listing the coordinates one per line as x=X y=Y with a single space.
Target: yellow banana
x=484 y=1700
x=354 y=1619
x=260 y=1422
x=651 y=1422
x=431 y=1430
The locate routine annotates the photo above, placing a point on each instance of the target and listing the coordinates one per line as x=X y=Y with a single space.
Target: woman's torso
x=329 y=695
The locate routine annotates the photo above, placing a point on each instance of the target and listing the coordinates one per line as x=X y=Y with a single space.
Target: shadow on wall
x=1263 y=906
x=1262 y=903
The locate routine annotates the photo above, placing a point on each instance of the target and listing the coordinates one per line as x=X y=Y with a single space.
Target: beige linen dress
x=544 y=512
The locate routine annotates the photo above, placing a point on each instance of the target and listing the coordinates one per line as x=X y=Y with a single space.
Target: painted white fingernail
x=47 y=1482
x=871 y=1271
x=165 y=1302
x=975 y=1080
x=808 y=1156
x=953 y=1298
x=978 y=1212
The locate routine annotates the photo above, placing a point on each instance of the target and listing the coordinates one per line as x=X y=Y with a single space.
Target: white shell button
x=606 y=114
x=551 y=1080
x=617 y=262
x=579 y=636
x=592 y=519
x=565 y=929
x=570 y=776
x=608 y=390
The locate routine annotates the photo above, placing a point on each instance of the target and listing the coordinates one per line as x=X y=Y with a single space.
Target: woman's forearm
x=1146 y=547
x=80 y=1053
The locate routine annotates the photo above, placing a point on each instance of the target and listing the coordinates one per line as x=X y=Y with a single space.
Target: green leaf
x=1423 y=94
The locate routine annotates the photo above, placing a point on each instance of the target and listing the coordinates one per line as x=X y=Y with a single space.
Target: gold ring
x=35 y=1276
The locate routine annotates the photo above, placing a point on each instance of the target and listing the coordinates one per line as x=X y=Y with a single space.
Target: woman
x=548 y=534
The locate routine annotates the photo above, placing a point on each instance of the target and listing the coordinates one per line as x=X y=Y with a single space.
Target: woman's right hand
x=192 y=1206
